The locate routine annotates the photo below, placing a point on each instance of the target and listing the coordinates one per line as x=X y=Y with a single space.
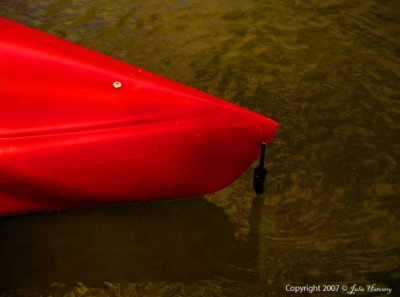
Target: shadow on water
x=180 y=240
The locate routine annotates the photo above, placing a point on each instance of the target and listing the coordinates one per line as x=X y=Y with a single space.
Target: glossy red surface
x=71 y=137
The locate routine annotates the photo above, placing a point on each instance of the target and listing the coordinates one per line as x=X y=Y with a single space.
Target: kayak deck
x=79 y=128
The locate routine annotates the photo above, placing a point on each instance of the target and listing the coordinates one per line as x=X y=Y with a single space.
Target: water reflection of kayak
x=79 y=128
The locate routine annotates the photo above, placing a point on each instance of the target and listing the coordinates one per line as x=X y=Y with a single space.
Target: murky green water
x=327 y=71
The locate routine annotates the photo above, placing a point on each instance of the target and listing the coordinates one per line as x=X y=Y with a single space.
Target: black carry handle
x=260 y=173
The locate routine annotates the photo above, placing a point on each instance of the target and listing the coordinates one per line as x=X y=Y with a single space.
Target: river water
x=327 y=71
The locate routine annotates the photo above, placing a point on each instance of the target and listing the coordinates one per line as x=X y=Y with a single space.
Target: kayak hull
x=78 y=128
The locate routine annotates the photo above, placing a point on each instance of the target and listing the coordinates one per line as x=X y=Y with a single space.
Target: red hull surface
x=78 y=128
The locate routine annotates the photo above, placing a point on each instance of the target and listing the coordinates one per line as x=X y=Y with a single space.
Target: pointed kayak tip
x=267 y=128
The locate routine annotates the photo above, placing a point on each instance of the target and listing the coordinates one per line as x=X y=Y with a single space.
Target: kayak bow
x=78 y=128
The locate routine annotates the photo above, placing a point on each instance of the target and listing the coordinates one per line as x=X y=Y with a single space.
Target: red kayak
x=78 y=128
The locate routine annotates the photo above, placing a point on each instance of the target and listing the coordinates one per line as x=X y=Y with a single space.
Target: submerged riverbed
x=327 y=71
